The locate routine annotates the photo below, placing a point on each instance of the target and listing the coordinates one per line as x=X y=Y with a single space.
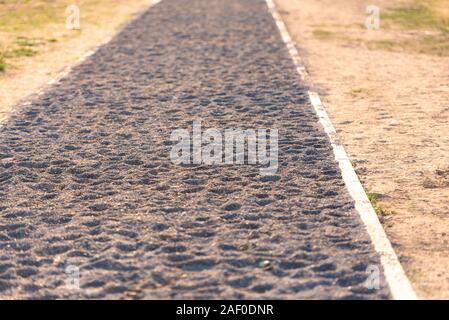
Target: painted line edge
x=396 y=278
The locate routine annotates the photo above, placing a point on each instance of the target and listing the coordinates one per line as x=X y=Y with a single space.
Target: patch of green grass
x=22 y=52
x=2 y=62
x=25 y=42
x=431 y=45
x=410 y=16
x=21 y=16
x=27 y=15
x=418 y=14
x=377 y=207
x=327 y=35
x=22 y=47
x=428 y=15
x=358 y=91
x=323 y=34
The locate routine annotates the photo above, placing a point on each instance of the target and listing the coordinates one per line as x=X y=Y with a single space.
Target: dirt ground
x=50 y=49
x=390 y=105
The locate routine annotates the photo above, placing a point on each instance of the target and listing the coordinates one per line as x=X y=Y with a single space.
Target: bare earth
x=391 y=110
x=31 y=74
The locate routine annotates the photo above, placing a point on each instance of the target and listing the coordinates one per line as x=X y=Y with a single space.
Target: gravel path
x=86 y=179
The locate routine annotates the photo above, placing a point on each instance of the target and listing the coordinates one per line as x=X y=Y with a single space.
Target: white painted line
x=398 y=282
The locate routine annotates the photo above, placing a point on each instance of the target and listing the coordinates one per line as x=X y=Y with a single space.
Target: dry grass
x=420 y=14
x=432 y=45
x=430 y=18
x=419 y=26
x=29 y=27
x=323 y=34
x=2 y=62
x=359 y=91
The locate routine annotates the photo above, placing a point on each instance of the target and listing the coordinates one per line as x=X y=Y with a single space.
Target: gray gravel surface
x=86 y=178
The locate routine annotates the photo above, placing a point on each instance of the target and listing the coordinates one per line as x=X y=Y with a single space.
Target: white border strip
x=45 y=87
x=398 y=282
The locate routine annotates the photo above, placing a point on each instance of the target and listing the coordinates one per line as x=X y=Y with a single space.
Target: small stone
x=264 y=264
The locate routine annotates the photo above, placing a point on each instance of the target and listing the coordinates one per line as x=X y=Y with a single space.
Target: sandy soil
x=391 y=110
x=30 y=74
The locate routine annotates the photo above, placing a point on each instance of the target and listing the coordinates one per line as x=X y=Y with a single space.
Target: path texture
x=86 y=179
